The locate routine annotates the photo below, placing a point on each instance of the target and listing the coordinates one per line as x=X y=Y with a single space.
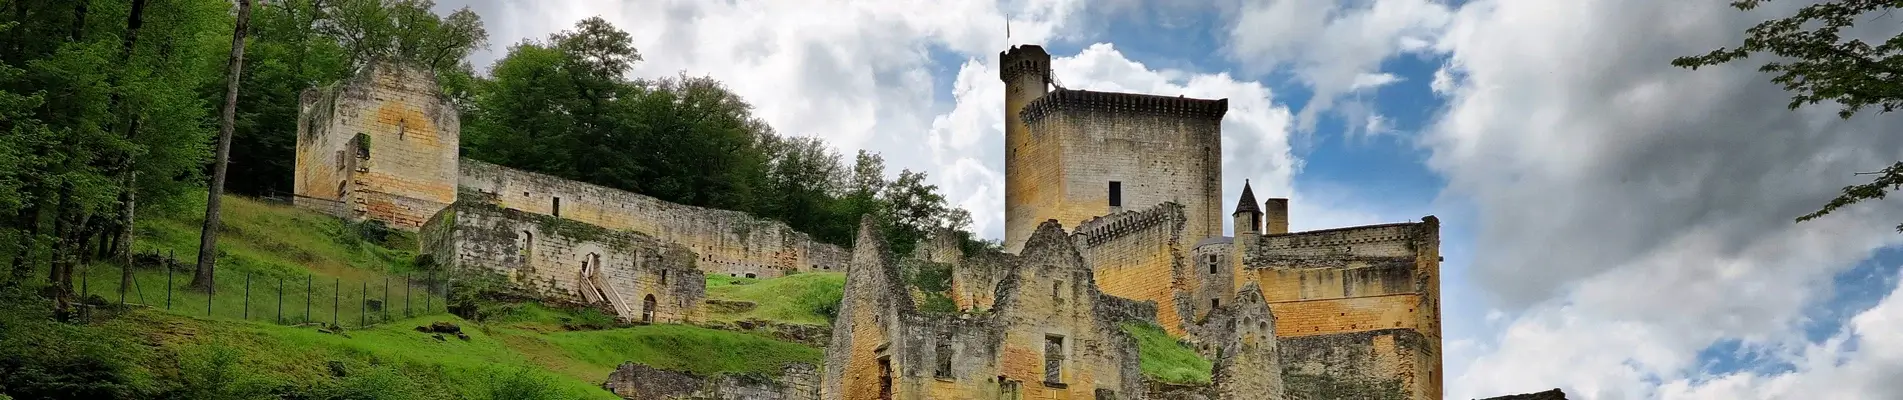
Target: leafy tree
x=1817 y=63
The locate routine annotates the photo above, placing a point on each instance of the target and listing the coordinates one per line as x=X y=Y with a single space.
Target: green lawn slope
x=1165 y=359
x=234 y=346
x=807 y=298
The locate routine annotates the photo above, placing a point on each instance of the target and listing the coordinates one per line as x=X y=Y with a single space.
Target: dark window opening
x=1053 y=360
x=664 y=277
x=749 y=274
x=1255 y=224
x=647 y=309
x=1116 y=194
x=556 y=207
x=1214 y=303
x=944 y=351
x=1212 y=264
x=885 y=378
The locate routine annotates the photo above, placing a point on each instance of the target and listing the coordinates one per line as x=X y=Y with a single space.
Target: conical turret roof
x=1247 y=203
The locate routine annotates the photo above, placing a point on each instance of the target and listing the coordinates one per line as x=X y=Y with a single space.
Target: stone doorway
x=647 y=309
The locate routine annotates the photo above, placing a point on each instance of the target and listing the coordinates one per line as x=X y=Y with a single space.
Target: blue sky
x=1612 y=225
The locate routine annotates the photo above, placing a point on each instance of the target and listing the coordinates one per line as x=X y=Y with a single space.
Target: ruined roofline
x=1123 y=103
x=1099 y=230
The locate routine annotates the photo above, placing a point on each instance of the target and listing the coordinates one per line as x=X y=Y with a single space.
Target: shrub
x=373 y=383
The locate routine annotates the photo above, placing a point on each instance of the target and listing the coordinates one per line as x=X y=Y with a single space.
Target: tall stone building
x=1075 y=154
x=1355 y=311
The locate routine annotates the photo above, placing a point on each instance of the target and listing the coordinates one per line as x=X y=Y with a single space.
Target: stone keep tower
x=1072 y=155
x=379 y=146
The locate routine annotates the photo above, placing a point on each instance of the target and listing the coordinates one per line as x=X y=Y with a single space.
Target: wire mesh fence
x=350 y=298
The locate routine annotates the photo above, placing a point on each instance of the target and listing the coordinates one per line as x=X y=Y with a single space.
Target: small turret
x=1248 y=218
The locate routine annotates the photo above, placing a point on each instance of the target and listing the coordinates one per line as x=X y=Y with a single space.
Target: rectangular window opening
x=1116 y=194
x=944 y=355
x=556 y=207
x=1053 y=360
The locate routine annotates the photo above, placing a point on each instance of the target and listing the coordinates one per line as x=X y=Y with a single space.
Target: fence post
x=122 y=286
x=386 y=298
x=247 y=295
x=307 y=297
x=168 y=285
x=426 y=292
x=337 y=286
x=280 y=301
x=363 y=305
x=211 y=292
x=406 y=294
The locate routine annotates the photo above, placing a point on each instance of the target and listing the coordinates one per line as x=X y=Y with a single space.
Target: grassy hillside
x=806 y=298
x=527 y=352
x=1166 y=359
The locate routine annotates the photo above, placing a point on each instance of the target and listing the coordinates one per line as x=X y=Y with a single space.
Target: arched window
x=647 y=309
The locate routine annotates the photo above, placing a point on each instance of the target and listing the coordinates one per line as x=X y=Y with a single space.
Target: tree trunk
x=29 y=220
x=59 y=277
x=128 y=174
x=208 y=241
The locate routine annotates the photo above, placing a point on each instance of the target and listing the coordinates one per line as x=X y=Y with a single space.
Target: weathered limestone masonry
x=1072 y=154
x=1050 y=334
x=639 y=277
x=1139 y=255
x=1357 y=309
x=1249 y=365
x=797 y=381
x=381 y=146
x=728 y=242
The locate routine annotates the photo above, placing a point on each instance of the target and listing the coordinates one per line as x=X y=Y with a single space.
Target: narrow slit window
x=664 y=277
x=556 y=207
x=1054 y=359
x=1116 y=194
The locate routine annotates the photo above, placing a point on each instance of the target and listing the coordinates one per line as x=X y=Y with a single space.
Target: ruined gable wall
x=544 y=256
x=1156 y=154
x=1052 y=292
x=868 y=314
x=1249 y=365
x=1139 y=255
x=412 y=134
x=1367 y=291
x=728 y=242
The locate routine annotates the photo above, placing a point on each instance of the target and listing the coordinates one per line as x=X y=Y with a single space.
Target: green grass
x=804 y=298
x=267 y=242
x=1166 y=359
x=271 y=245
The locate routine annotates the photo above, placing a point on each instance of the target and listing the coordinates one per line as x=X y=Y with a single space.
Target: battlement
x=1123 y=103
x=1024 y=59
x=1100 y=230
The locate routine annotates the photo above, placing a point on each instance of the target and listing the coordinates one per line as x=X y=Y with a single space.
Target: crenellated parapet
x=1101 y=230
x=1123 y=104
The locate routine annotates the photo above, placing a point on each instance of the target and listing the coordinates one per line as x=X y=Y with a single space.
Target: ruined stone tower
x=1072 y=155
x=380 y=146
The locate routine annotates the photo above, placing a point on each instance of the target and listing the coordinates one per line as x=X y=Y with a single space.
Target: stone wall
x=1357 y=309
x=1065 y=147
x=383 y=143
x=728 y=242
x=639 y=277
x=796 y=381
x=1249 y=365
x=1046 y=304
x=1139 y=255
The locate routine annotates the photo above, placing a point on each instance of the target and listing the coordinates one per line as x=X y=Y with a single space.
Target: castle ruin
x=1339 y=313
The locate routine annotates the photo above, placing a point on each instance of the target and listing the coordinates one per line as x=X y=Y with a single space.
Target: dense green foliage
x=809 y=298
x=562 y=106
x=1815 y=62
x=1165 y=359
